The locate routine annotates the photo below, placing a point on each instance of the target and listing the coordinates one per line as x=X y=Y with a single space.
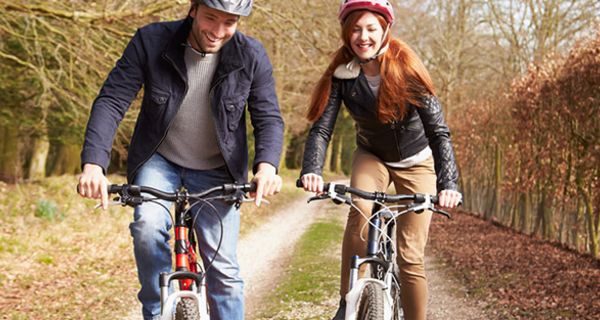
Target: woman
x=401 y=137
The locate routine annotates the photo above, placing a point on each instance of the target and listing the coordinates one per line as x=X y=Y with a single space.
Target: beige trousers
x=371 y=174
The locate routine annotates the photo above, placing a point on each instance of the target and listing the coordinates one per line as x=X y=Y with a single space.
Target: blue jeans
x=150 y=232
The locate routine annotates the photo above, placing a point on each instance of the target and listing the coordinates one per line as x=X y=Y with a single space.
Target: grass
x=309 y=290
x=61 y=259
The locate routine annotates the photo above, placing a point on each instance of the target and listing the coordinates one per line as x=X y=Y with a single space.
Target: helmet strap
x=196 y=42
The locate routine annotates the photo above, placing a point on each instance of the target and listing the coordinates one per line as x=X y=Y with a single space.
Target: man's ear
x=193 y=8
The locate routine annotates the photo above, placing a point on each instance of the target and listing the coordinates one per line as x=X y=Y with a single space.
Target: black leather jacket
x=392 y=142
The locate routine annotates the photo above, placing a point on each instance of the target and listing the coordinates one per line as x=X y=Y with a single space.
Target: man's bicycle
x=377 y=295
x=188 y=301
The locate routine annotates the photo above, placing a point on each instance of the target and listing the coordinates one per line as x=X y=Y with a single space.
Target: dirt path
x=448 y=299
x=267 y=249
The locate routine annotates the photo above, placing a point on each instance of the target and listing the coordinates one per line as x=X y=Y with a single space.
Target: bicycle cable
x=216 y=213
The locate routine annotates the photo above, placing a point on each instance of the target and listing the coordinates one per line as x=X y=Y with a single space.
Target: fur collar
x=349 y=70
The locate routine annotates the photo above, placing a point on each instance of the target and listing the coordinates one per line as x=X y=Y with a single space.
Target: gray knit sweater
x=191 y=141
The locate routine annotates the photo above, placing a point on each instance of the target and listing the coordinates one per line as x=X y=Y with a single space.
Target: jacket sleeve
x=264 y=114
x=438 y=134
x=118 y=91
x=320 y=133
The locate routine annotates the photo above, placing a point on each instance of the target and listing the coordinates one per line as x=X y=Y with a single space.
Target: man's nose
x=218 y=31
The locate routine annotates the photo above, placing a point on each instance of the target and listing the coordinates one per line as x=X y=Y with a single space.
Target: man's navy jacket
x=154 y=59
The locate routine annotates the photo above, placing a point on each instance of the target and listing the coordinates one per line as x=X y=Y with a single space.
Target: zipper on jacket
x=170 y=122
x=393 y=125
x=217 y=124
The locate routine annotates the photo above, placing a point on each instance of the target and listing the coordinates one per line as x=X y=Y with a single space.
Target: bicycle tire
x=370 y=303
x=397 y=311
x=187 y=309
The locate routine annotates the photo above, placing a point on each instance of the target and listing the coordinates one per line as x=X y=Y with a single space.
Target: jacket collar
x=231 y=58
x=175 y=50
x=349 y=70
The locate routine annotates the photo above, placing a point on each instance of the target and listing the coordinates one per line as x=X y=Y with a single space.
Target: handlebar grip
x=300 y=185
x=114 y=188
x=435 y=200
x=246 y=187
x=250 y=187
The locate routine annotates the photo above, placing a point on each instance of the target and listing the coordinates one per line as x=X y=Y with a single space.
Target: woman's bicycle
x=377 y=295
x=188 y=301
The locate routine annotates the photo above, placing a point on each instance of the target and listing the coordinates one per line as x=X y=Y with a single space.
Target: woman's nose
x=364 y=35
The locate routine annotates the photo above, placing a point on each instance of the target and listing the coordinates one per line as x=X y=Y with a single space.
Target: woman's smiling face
x=366 y=36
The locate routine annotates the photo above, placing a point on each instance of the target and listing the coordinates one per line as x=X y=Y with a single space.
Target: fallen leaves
x=524 y=277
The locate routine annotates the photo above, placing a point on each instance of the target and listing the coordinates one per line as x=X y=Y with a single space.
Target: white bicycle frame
x=168 y=302
x=358 y=285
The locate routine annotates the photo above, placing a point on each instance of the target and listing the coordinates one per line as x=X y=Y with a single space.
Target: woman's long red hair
x=404 y=77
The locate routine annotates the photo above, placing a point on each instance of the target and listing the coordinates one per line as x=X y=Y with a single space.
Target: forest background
x=519 y=81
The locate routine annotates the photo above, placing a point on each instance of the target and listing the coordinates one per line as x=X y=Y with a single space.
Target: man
x=198 y=74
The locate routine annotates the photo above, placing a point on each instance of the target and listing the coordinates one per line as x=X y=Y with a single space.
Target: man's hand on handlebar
x=93 y=184
x=267 y=182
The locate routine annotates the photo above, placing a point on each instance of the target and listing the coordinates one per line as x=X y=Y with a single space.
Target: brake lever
x=442 y=212
x=321 y=196
x=114 y=202
x=252 y=200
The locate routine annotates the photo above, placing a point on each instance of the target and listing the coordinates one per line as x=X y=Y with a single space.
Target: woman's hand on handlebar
x=449 y=199
x=312 y=182
x=93 y=184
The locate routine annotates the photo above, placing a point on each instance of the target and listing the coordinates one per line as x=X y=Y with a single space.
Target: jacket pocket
x=159 y=97
x=234 y=108
x=155 y=103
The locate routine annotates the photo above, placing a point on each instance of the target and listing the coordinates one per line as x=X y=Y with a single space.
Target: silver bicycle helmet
x=237 y=7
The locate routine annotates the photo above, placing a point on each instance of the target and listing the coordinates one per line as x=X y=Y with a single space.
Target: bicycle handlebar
x=337 y=192
x=375 y=196
x=132 y=194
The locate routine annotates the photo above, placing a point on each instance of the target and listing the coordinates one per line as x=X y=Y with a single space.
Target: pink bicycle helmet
x=382 y=7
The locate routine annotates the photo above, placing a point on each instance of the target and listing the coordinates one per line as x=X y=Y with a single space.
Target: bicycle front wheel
x=370 y=303
x=397 y=312
x=187 y=309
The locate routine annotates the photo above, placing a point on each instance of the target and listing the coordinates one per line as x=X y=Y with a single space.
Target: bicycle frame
x=373 y=258
x=191 y=279
x=187 y=270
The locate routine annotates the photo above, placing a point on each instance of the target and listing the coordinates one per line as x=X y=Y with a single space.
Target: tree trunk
x=592 y=228
x=37 y=166
x=10 y=160
x=282 y=157
x=575 y=222
x=525 y=211
x=514 y=212
x=495 y=203
x=66 y=160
